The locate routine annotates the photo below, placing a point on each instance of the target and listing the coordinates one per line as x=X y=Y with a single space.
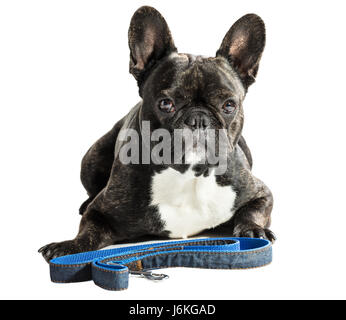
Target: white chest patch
x=188 y=204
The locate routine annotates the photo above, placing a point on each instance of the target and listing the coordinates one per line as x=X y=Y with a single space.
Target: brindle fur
x=118 y=208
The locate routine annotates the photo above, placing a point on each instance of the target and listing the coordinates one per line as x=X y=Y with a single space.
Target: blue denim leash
x=110 y=268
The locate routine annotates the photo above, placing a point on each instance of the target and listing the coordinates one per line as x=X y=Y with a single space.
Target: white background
x=64 y=82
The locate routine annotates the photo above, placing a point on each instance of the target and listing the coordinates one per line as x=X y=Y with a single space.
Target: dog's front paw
x=252 y=230
x=57 y=249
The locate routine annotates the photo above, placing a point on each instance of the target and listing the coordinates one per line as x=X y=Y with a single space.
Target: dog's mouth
x=200 y=146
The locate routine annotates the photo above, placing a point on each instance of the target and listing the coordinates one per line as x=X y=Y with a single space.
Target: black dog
x=129 y=200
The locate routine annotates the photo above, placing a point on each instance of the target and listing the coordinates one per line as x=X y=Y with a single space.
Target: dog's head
x=185 y=91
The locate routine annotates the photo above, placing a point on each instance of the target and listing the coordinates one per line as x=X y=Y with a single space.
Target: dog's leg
x=94 y=233
x=85 y=204
x=253 y=219
x=97 y=164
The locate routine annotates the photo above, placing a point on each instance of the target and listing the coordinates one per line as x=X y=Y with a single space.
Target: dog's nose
x=198 y=121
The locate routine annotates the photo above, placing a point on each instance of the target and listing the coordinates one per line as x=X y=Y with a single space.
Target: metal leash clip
x=149 y=275
x=145 y=274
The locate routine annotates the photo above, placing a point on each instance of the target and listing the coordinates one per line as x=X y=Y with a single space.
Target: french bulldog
x=131 y=199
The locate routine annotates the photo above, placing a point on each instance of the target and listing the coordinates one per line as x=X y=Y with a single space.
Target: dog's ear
x=149 y=40
x=243 y=46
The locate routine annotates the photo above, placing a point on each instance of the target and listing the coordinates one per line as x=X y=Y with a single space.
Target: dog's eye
x=166 y=105
x=229 y=107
